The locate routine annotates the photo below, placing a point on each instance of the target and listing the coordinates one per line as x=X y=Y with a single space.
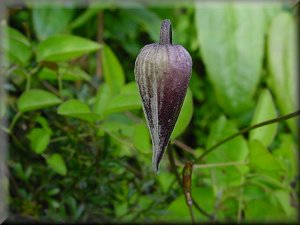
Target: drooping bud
x=162 y=72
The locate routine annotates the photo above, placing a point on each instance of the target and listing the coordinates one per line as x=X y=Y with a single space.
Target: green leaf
x=141 y=138
x=113 y=71
x=185 y=115
x=263 y=209
x=232 y=55
x=284 y=199
x=85 y=17
x=165 y=181
x=67 y=73
x=65 y=47
x=265 y=110
x=57 y=163
x=286 y=154
x=50 y=20
x=36 y=99
x=262 y=161
x=282 y=64
x=176 y=210
x=102 y=98
x=258 y=197
x=150 y=21
x=77 y=109
x=127 y=99
x=232 y=151
x=16 y=46
x=235 y=150
x=39 y=139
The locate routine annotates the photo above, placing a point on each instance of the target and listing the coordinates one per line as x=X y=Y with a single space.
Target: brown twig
x=183 y=146
x=175 y=172
x=246 y=130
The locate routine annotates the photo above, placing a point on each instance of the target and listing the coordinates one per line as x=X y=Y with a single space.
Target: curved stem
x=245 y=130
x=14 y=120
x=165 y=33
x=174 y=170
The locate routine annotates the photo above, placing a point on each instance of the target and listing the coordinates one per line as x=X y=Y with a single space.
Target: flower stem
x=165 y=33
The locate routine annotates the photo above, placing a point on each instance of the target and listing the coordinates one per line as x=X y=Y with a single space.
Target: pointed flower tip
x=155 y=165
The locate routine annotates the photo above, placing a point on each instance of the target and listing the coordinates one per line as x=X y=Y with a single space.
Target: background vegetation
x=79 y=148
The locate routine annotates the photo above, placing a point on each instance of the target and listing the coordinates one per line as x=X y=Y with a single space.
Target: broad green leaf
x=165 y=181
x=235 y=150
x=102 y=98
x=141 y=138
x=177 y=211
x=120 y=129
x=284 y=199
x=66 y=73
x=57 y=163
x=84 y=17
x=16 y=46
x=127 y=99
x=112 y=69
x=121 y=103
x=44 y=123
x=77 y=109
x=36 y=99
x=39 y=139
x=50 y=20
x=265 y=110
x=232 y=55
x=185 y=115
x=204 y=195
x=286 y=154
x=121 y=209
x=150 y=21
x=65 y=47
x=257 y=197
x=263 y=162
x=264 y=208
x=282 y=64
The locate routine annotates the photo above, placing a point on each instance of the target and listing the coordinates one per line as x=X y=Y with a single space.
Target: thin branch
x=184 y=147
x=192 y=213
x=14 y=120
x=247 y=129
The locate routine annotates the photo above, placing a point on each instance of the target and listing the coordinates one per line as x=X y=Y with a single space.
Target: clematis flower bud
x=162 y=72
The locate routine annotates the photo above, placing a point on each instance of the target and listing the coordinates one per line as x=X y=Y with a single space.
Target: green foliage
x=185 y=115
x=282 y=63
x=77 y=109
x=59 y=17
x=16 y=46
x=113 y=71
x=57 y=163
x=232 y=52
x=36 y=99
x=80 y=148
x=64 y=47
x=265 y=110
x=39 y=139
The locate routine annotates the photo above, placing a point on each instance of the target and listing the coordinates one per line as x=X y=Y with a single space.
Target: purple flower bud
x=162 y=72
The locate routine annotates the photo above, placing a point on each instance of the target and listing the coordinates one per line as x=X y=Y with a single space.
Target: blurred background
x=79 y=149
